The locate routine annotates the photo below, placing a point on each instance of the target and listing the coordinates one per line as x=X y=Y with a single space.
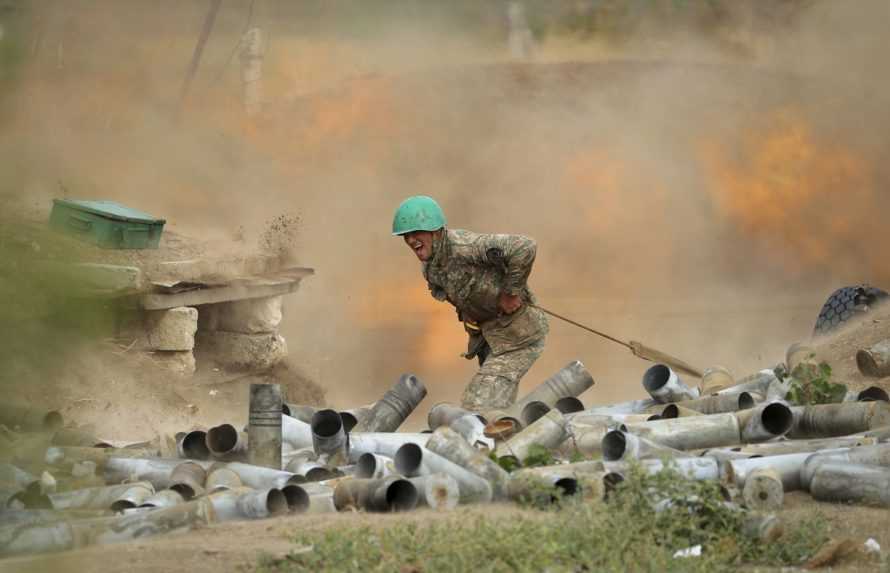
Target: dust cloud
x=699 y=181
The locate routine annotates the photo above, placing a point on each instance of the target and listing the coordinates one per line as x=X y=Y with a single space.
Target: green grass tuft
x=646 y=520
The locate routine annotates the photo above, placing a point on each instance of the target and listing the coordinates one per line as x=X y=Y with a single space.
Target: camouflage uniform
x=470 y=271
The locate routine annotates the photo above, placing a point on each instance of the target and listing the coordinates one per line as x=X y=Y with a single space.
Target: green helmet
x=418 y=213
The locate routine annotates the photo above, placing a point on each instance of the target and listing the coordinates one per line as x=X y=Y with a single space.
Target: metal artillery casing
x=259 y=477
x=587 y=439
x=329 y=436
x=569 y=405
x=264 y=426
x=618 y=445
x=758 y=383
x=311 y=470
x=714 y=379
x=193 y=446
x=787 y=466
x=188 y=480
x=838 y=481
x=412 y=460
x=66 y=456
x=871 y=394
x=723 y=455
x=588 y=419
x=532 y=412
x=549 y=432
x=19 y=539
x=397 y=404
x=631 y=407
x=572 y=380
x=301 y=412
x=321 y=496
x=353 y=416
x=248 y=503
x=101 y=497
x=584 y=478
x=692 y=468
x=383 y=443
x=437 y=491
x=670 y=411
x=800 y=446
x=764 y=490
x=451 y=446
x=468 y=424
x=765 y=422
x=444 y=413
x=226 y=442
x=387 y=494
x=27 y=418
x=831 y=420
x=296 y=433
x=665 y=386
x=154 y=470
x=881 y=434
x=877 y=455
x=720 y=403
x=163 y=498
x=221 y=478
x=875 y=361
x=696 y=432
x=374 y=466
x=472 y=429
x=297 y=499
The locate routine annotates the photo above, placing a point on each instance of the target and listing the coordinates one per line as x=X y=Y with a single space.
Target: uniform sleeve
x=514 y=254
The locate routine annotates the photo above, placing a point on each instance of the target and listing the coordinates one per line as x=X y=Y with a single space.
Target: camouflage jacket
x=471 y=270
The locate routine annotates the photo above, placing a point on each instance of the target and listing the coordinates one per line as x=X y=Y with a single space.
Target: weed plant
x=645 y=521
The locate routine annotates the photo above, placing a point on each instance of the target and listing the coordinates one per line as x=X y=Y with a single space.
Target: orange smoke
x=794 y=190
x=438 y=336
x=617 y=200
x=597 y=179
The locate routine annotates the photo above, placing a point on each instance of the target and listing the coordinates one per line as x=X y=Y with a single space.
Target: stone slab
x=250 y=316
x=172 y=329
x=237 y=351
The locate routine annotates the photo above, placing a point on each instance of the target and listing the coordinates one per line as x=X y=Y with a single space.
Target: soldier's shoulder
x=463 y=241
x=461 y=237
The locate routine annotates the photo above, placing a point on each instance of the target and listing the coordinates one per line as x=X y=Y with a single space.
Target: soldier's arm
x=515 y=254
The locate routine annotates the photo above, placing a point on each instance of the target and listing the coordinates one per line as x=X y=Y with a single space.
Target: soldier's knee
x=490 y=392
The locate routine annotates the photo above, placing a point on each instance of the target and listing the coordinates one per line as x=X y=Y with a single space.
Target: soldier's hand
x=509 y=303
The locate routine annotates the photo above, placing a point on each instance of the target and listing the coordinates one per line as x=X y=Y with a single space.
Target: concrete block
x=250 y=316
x=111 y=277
x=237 y=351
x=172 y=329
x=180 y=363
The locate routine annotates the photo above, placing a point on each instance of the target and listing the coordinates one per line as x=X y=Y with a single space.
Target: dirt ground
x=236 y=547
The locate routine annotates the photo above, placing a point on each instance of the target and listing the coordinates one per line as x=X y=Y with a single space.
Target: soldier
x=484 y=278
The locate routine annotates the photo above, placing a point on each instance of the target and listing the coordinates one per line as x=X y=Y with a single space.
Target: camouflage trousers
x=496 y=383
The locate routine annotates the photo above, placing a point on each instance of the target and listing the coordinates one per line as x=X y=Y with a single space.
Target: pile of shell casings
x=294 y=459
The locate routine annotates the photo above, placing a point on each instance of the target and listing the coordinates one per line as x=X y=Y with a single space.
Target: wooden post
x=199 y=49
x=252 y=70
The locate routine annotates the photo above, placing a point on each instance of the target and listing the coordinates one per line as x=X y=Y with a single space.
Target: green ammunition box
x=107 y=224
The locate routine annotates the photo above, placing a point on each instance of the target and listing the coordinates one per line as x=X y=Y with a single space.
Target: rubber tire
x=844 y=304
